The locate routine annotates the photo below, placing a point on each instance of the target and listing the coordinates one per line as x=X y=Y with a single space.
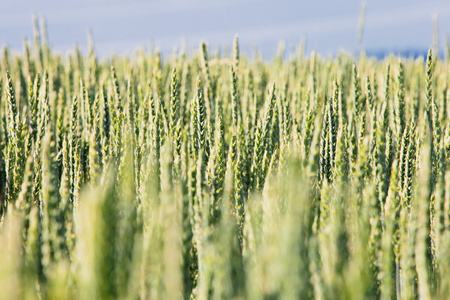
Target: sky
x=326 y=26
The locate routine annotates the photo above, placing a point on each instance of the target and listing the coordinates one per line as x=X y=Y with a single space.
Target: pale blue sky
x=328 y=26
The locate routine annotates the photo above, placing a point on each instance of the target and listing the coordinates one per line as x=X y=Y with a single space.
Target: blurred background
x=405 y=27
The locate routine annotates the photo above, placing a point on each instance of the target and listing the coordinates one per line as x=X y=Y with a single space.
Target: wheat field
x=210 y=176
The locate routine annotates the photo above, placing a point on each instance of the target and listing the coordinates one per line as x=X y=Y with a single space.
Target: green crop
x=203 y=176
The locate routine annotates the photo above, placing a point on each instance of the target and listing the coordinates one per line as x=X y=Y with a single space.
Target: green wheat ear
x=174 y=103
x=428 y=82
x=400 y=105
x=12 y=147
x=236 y=52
